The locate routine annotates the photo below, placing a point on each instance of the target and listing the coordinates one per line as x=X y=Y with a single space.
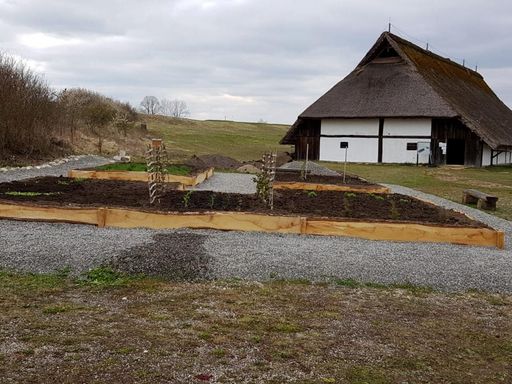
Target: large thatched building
x=404 y=104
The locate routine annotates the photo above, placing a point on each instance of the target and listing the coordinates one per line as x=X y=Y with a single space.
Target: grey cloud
x=247 y=59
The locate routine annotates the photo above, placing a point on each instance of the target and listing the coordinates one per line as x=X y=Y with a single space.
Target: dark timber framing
x=381 y=134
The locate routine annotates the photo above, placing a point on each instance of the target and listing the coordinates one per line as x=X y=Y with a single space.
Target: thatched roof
x=399 y=79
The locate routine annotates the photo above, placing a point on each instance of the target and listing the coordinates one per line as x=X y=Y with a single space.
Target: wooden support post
x=102 y=217
x=303 y=225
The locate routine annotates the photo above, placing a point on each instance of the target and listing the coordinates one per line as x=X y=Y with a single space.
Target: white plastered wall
x=360 y=150
x=502 y=158
x=365 y=150
x=394 y=150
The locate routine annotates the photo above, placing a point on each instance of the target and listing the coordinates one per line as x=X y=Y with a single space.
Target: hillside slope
x=242 y=141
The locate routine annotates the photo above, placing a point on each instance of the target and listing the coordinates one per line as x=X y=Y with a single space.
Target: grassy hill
x=242 y=141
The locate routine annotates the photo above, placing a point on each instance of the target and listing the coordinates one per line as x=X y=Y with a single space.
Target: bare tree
x=174 y=108
x=150 y=105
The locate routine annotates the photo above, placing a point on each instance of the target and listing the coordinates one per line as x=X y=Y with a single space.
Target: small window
x=412 y=146
x=343 y=144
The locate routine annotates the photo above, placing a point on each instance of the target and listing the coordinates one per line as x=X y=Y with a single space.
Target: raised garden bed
x=293 y=180
x=177 y=173
x=125 y=204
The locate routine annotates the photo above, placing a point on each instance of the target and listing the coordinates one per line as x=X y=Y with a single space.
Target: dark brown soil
x=318 y=179
x=62 y=191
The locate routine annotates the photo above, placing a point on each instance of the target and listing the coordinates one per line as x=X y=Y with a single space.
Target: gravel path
x=228 y=182
x=54 y=168
x=205 y=254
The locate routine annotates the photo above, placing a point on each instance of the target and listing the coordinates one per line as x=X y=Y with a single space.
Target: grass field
x=112 y=328
x=174 y=169
x=447 y=182
x=242 y=141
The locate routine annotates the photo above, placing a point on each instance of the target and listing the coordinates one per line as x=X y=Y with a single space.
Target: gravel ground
x=313 y=167
x=228 y=182
x=54 y=168
x=206 y=254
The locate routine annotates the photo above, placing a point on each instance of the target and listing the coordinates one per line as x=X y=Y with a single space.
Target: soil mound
x=215 y=161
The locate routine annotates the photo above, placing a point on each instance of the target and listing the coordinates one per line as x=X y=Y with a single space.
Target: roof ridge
x=434 y=55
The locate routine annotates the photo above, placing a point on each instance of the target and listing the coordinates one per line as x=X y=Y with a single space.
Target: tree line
x=174 y=108
x=37 y=121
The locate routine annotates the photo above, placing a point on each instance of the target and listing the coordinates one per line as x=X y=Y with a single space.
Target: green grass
x=174 y=169
x=30 y=194
x=446 y=182
x=242 y=141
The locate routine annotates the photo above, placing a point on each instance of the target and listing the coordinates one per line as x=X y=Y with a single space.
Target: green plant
x=186 y=198
x=31 y=194
x=376 y=197
x=395 y=215
x=263 y=186
x=104 y=276
x=211 y=200
x=311 y=193
x=350 y=194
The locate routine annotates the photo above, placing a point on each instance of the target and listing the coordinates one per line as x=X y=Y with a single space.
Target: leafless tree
x=174 y=108
x=150 y=105
x=27 y=110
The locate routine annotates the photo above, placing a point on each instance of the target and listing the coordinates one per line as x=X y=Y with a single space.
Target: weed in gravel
x=106 y=277
x=364 y=375
x=412 y=288
x=54 y=309
x=287 y=327
x=219 y=352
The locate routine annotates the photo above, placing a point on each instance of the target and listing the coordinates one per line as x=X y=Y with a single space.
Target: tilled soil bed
x=62 y=191
x=321 y=179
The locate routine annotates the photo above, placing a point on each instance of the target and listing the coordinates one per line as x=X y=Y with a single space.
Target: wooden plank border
x=188 y=181
x=239 y=221
x=330 y=187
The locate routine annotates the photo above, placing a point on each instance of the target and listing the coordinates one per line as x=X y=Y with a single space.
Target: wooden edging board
x=239 y=221
x=330 y=187
x=188 y=181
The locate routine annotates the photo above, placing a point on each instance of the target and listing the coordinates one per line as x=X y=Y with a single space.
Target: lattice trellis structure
x=265 y=181
x=156 y=160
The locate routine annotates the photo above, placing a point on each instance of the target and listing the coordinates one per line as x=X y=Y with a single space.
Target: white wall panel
x=407 y=127
x=360 y=150
x=350 y=127
x=395 y=151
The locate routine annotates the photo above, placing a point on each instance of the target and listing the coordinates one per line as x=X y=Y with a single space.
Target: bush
x=28 y=111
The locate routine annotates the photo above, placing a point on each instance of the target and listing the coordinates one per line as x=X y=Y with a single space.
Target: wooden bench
x=482 y=200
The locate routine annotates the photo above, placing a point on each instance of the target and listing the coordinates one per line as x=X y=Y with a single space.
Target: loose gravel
x=228 y=182
x=207 y=254
x=55 y=168
x=315 y=168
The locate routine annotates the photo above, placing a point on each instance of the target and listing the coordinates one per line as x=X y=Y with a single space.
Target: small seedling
x=211 y=201
x=350 y=194
x=311 y=194
x=395 y=215
x=186 y=198
x=376 y=197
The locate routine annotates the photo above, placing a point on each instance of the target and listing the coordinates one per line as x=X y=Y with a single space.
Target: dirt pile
x=215 y=161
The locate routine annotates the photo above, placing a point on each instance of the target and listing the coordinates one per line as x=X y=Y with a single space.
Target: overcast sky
x=241 y=59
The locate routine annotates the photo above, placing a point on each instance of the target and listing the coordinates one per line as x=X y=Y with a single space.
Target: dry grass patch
x=138 y=330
